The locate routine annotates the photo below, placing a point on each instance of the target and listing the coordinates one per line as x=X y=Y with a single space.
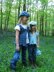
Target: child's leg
x=30 y=53
x=14 y=60
x=24 y=55
x=34 y=54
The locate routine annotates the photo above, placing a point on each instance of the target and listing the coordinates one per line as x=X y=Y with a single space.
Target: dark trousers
x=32 y=53
x=23 y=48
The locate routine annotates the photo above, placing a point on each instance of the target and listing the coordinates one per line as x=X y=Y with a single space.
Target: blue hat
x=24 y=13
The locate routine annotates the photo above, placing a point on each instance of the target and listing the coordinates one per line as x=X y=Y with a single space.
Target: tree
x=44 y=5
x=1 y=16
x=8 y=12
x=24 y=5
x=19 y=8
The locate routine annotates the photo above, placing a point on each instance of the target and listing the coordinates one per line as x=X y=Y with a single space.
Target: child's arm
x=37 y=38
x=17 y=40
x=38 y=41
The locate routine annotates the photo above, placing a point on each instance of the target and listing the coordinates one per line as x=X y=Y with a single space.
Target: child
x=33 y=42
x=21 y=40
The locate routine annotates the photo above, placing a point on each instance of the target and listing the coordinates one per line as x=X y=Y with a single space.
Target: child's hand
x=17 y=48
x=38 y=46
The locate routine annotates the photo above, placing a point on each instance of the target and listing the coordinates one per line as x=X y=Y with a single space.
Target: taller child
x=22 y=39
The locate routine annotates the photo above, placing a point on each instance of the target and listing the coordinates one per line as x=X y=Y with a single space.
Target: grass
x=45 y=61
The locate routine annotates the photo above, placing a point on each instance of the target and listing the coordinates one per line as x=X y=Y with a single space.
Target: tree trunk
x=9 y=13
x=1 y=16
x=24 y=5
x=45 y=23
x=19 y=8
x=8 y=16
x=37 y=10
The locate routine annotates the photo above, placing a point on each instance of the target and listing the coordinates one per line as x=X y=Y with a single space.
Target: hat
x=32 y=23
x=24 y=13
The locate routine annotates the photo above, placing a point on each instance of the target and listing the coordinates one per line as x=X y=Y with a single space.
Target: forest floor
x=45 y=60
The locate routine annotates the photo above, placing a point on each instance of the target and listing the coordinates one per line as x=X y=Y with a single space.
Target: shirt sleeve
x=37 y=33
x=17 y=27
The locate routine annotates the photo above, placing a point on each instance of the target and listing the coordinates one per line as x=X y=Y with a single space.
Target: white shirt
x=25 y=27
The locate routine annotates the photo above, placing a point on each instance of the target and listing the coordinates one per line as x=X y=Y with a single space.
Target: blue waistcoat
x=22 y=35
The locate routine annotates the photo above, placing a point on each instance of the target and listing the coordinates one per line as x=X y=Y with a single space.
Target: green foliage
x=45 y=61
x=39 y=10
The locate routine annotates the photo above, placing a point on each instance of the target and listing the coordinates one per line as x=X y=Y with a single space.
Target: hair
x=31 y=28
x=20 y=19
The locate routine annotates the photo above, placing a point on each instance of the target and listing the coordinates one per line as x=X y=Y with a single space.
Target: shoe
x=13 y=71
x=24 y=64
x=12 y=67
x=34 y=65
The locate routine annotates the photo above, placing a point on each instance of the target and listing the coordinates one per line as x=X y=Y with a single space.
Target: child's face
x=24 y=19
x=33 y=28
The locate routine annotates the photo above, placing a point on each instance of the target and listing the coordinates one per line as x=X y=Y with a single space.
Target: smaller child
x=33 y=42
